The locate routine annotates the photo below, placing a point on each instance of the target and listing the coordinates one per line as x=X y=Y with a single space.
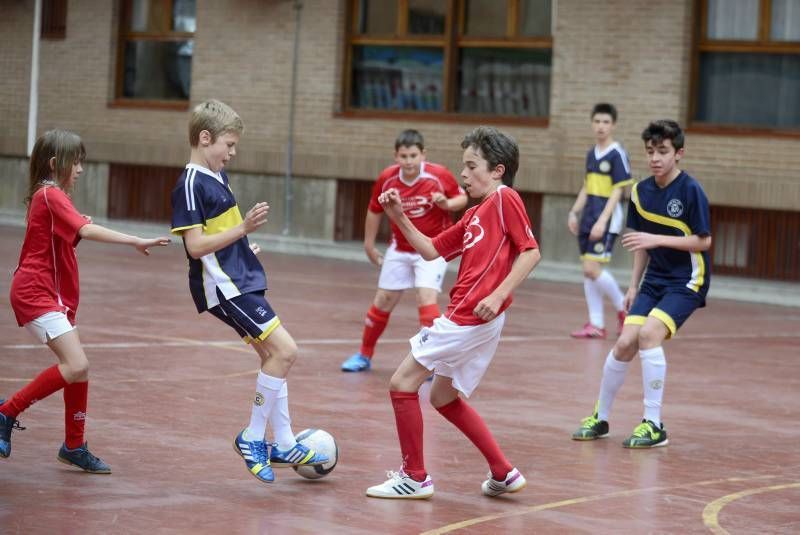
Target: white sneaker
x=513 y=482
x=400 y=485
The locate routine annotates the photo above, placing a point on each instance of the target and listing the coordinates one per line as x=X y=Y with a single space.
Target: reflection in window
x=505 y=82
x=733 y=19
x=426 y=17
x=377 y=17
x=535 y=18
x=397 y=78
x=785 y=20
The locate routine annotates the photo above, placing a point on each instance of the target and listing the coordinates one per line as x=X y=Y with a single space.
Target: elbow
x=430 y=255
x=194 y=252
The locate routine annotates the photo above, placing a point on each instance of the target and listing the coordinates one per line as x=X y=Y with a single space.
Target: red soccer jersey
x=489 y=238
x=416 y=199
x=46 y=279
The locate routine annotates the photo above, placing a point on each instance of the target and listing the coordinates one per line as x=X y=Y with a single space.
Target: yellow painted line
x=711 y=511
x=584 y=499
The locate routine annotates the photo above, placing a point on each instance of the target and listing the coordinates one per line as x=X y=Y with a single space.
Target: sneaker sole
x=588 y=439
x=275 y=464
x=70 y=463
x=506 y=491
x=660 y=444
x=356 y=371
x=239 y=453
x=399 y=497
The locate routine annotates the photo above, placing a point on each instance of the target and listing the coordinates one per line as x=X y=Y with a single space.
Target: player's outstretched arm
x=392 y=205
x=198 y=244
x=102 y=234
x=635 y=241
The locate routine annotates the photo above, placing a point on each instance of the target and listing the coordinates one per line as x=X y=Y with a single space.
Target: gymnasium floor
x=170 y=389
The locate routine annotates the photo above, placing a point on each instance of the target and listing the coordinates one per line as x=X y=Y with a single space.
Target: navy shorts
x=597 y=251
x=671 y=304
x=249 y=314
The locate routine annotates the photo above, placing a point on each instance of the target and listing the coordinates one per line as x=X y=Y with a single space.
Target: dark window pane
x=377 y=17
x=149 y=16
x=785 y=20
x=156 y=70
x=398 y=78
x=749 y=89
x=426 y=17
x=501 y=81
x=54 y=19
x=733 y=19
x=535 y=18
x=485 y=18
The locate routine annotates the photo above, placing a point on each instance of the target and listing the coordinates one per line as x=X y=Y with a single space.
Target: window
x=449 y=57
x=747 y=64
x=156 y=42
x=54 y=19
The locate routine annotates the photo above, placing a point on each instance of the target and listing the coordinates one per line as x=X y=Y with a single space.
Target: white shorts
x=49 y=326
x=403 y=271
x=460 y=352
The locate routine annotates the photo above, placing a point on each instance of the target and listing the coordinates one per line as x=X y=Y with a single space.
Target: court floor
x=170 y=389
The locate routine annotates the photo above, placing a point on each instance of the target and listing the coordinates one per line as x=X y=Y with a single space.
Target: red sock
x=374 y=324
x=469 y=422
x=75 y=399
x=427 y=314
x=408 y=417
x=47 y=382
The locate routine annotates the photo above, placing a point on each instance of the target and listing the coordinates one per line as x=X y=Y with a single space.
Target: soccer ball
x=323 y=443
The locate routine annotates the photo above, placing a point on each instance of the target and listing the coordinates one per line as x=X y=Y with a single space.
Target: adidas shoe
x=591 y=428
x=297 y=455
x=256 y=458
x=589 y=331
x=402 y=486
x=83 y=459
x=7 y=424
x=513 y=482
x=356 y=363
x=647 y=435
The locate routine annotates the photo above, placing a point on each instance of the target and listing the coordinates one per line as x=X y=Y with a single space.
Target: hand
x=488 y=307
x=256 y=216
x=255 y=248
x=572 y=223
x=374 y=256
x=391 y=202
x=630 y=297
x=87 y=218
x=638 y=241
x=598 y=230
x=440 y=200
x=143 y=244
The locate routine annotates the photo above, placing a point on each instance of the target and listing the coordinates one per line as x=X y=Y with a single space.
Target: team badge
x=605 y=166
x=473 y=234
x=675 y=208
x=416 y=206
x=599 y=248
x=259 y=399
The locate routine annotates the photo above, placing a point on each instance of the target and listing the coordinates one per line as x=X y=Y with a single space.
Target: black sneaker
x=83 y=459
x=647 y=435
x=7 y=424
x=591 y=428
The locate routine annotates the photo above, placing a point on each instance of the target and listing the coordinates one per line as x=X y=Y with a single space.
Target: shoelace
x=641 y=430
x=589 y=421
x=259 y=451
x=397 y=477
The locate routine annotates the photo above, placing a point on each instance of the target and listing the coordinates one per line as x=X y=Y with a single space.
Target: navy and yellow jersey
x=202 y=198
x=605 y=170
x=680 y=209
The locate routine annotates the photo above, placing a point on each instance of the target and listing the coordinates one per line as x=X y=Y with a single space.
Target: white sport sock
x=613 y=376
x=281 y=422
x=267 y=388
x=594 y=302
x=654 y=371
x=608 y=285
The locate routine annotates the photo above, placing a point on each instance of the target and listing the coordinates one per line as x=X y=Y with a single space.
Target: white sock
x=267 y=388
x=281 y=422
x=608 y=285
x=654 y=371
x=613 y=376
x=594 y=301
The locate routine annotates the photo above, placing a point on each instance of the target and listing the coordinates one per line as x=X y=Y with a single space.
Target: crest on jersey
x=474 y=233
x=417 y=206
x=675 y=208
x=605 y=166
x=599 y=247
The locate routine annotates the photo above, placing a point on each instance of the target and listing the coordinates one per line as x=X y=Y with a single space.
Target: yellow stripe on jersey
x=598 y=185
x=698 y=265
x=227 y=219
x=179 y=230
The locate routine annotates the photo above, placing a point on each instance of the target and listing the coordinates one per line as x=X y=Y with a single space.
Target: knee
x=76 y=372
x=440 y=399
x=286 y=355
x=385 y=300
x=626 y=347
x=401 y=383
x=650 y=337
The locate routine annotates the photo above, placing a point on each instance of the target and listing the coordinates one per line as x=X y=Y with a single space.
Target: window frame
x=451 y=41
x=761 y=45
x=123 y=37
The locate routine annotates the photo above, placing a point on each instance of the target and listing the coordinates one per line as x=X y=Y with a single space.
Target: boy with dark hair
x=429 y=194
x=669 y=216
x=498 y=251
x=607 y=174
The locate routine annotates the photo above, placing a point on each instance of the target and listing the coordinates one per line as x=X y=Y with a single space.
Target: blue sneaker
x=297 y=455
x=356 y=363
x=83 y=459
x=254 y=453
x=7 y=423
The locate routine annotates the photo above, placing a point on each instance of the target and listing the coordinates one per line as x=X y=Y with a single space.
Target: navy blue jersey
x=605 y=171
x=202 y=198
x=680 y=209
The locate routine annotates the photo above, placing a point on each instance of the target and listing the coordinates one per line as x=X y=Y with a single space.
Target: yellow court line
x=711 y=511
x=575 y=501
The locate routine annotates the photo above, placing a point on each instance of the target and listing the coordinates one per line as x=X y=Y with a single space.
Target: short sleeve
x=67 y=221
x=698 y=212
x=377 y=189
x=634 y=221
x=516 y=222
x=450 y=242
x=620 y=168
x=187 y=204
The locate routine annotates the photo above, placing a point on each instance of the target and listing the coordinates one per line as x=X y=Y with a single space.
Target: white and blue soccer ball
x=323 y=443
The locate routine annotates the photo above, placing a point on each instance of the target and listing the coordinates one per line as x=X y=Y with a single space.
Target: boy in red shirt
x=498 y=251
